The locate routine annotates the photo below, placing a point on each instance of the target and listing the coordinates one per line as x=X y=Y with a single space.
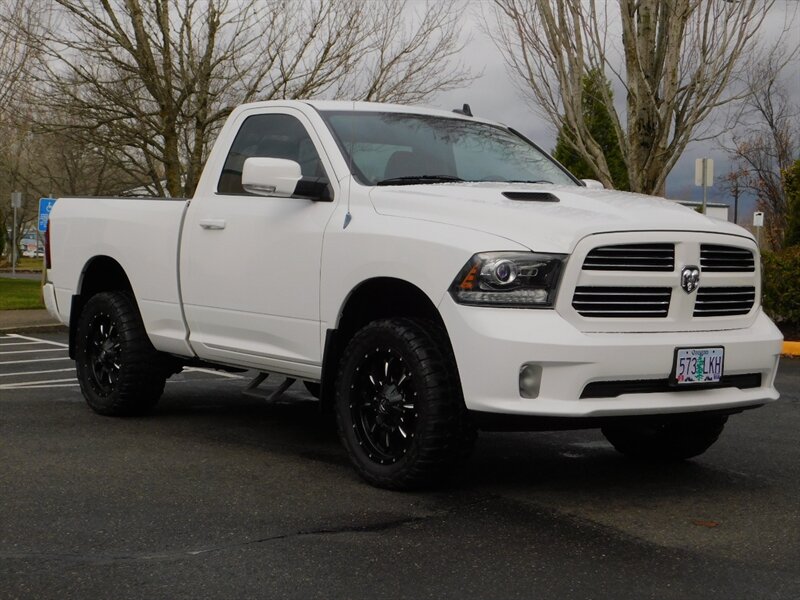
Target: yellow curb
x=791 y=348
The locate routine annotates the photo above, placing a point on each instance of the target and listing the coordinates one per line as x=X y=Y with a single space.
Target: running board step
x=252 y=391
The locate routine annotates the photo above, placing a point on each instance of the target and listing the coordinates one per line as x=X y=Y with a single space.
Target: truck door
x=250 y=265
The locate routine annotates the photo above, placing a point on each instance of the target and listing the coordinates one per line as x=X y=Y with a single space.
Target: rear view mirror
x=270 y=176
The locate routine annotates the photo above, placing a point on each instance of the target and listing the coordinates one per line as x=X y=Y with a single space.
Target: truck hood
x=545 y=226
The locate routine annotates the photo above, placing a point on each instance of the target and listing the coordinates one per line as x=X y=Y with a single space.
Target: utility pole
x=704 y=175
x=16 y=202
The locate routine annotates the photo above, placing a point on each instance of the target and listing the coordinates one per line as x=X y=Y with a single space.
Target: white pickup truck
x=427 y=274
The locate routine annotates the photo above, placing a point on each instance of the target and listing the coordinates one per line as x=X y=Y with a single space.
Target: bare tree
x=152 y=82
x=767 y=140
x=17 y=17
x=735 y=183
x=675 y=63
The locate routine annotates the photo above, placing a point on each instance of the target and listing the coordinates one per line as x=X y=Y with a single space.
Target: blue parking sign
x=45 y=206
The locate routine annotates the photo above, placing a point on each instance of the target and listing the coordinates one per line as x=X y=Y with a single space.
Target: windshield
x=404 y=149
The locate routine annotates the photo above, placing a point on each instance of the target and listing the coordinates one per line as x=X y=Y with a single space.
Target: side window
x=271 y=136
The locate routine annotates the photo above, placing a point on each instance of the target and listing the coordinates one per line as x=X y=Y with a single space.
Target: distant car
x=33 y=253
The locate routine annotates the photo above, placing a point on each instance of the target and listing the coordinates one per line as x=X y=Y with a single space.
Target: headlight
x=509 y=279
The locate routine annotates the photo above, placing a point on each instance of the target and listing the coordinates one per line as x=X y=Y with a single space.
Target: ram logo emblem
x=690 y=278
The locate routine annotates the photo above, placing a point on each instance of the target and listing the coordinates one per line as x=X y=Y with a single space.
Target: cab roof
x=358 y=106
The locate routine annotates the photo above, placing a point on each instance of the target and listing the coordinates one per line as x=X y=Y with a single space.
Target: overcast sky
x=494 y=96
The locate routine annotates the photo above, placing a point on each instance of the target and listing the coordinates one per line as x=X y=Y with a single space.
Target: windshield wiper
x=527 y=181
x=418 y=179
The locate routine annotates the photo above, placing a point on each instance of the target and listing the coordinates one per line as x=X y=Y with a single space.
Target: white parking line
x=28 y=384
x=21 y=344
x=36 y=372
x=44 y=387
x=32 y=360
x=33 y=351
x=33 y=339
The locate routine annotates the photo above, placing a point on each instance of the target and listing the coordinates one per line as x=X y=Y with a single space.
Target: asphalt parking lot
x=222 y=495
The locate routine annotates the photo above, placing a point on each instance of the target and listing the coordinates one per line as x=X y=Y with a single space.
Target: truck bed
x=142 y=234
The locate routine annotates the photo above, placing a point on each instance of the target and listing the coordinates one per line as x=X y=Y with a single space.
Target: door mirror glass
x=270 y=176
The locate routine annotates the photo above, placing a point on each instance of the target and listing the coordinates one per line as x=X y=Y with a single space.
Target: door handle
x=212 y=223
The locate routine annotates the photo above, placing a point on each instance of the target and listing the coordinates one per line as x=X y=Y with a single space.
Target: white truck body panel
x=542 y=226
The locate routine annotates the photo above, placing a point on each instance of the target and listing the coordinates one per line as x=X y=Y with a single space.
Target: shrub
x=791 y=183
x=781 y=287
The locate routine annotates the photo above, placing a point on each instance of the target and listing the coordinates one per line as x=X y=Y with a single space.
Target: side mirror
x=593 y=184
x=270 y=176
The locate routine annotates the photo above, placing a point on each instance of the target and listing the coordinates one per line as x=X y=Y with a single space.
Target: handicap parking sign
x=45 y=206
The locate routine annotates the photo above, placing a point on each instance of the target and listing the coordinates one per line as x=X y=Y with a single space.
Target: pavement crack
x=109 y=558
x=376 y=526
x=367 y=528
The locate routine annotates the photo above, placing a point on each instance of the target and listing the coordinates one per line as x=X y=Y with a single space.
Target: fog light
x=530 y=378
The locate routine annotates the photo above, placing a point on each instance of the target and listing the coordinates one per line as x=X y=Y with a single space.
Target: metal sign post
x=16 y=202
x=758 y=223
x=704 y=175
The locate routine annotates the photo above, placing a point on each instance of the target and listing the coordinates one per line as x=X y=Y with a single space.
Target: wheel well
x=385 y=297
x=101 y=274
x=378 y=298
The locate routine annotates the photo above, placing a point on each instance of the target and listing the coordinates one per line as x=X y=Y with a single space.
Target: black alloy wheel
x=382 y=405
x=119 y=371
x=104 y=353
x=399 y=406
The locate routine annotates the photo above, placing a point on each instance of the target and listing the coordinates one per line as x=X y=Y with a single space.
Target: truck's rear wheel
x=119 y=371
x=677 y=438
x=399 y=407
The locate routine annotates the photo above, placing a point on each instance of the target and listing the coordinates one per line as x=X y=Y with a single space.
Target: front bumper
x=491 y=345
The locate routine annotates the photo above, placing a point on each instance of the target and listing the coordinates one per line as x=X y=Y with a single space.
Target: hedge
x=781 y=286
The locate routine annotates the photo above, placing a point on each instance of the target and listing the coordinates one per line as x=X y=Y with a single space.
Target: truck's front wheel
x=398 y=404
x=676 y=438
x=118 y=369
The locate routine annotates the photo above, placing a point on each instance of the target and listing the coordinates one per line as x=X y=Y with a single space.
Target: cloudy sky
x=494 y=96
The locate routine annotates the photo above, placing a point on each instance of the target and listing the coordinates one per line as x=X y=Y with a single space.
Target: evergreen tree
x=598 y=122
x=791 y=178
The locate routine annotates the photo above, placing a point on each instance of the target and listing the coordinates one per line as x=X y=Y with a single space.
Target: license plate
x=698 y=365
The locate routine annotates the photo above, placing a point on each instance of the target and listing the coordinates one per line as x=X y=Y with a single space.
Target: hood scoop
x=531 y=196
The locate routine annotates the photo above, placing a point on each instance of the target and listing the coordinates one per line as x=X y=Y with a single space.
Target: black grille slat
x=726 y=259
x=612 y=389
x=724 y=301
x=622 y=302
x=631 y=257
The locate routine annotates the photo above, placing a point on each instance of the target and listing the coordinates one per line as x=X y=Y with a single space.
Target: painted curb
x=791 y=348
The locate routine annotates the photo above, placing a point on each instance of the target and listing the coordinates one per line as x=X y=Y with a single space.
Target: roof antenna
x=465 y=110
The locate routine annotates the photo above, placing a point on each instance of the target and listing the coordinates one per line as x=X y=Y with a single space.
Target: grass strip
x=20 y=293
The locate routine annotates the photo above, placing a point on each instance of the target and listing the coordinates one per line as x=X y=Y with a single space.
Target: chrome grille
x=631 y=257
x=726 y=259
x=622 y=302
x=724 y=301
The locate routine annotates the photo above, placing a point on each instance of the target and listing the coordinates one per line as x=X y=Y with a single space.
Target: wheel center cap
x=391 y=394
